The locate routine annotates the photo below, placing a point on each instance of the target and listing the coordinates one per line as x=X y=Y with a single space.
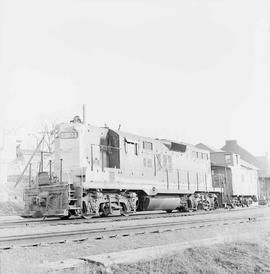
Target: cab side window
x=147 y=145
x=131 y=147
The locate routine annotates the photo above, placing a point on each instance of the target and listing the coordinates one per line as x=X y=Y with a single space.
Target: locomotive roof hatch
x=173 y=146
x=176 y=147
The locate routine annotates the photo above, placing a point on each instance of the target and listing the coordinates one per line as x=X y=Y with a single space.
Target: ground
x=237 y=257
x=240 y=256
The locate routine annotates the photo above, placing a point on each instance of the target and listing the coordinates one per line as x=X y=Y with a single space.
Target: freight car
x=100 y=171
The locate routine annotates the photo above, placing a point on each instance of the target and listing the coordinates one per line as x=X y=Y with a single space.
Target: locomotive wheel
x=66 y=217
x=123 y=210
x=139 y=204
x=104 y=211
x=182 y=209
x=206 y=206
x=104 y=214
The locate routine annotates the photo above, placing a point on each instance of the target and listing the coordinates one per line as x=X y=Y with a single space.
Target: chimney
x=231 y=142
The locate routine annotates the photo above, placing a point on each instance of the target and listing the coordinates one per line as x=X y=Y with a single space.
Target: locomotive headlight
x=56 y=133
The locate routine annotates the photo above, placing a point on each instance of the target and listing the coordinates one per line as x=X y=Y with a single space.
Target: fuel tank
x=161 y=203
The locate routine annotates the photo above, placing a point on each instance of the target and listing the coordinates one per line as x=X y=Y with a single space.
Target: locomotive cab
x=110 y=150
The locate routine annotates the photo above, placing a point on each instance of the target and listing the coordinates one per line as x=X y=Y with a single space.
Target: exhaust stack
x=84 y=114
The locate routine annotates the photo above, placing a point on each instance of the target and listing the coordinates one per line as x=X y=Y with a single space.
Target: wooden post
x=61 y=171
x=30 y=175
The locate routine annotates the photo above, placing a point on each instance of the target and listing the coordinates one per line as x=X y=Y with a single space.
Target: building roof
x=233 y=147
x=209 y=148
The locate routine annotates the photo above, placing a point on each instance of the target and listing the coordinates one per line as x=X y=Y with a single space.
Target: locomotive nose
x=66 y=147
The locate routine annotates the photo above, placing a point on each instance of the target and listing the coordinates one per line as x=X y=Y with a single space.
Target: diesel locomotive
x=100 y=171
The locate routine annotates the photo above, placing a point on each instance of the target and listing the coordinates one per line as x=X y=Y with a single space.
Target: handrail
x=29 y=161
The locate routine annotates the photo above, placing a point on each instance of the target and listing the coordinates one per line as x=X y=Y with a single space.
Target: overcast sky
x=194 y=71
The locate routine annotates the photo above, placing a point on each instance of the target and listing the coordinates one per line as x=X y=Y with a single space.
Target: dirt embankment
x=11 y=199
x=229 y=258
x=238 y=257
x=10 y=208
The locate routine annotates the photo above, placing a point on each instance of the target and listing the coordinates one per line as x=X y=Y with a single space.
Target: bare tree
x=44 y=144
x=48 y=129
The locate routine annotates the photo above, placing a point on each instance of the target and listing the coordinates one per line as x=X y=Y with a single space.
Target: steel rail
x=136 y=216
x=85 y=233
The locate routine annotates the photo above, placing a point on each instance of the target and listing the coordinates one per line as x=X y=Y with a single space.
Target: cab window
x=147 y=145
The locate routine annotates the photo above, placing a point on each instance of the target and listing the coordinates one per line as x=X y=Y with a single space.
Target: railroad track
x=122 y=230
x=136 y=216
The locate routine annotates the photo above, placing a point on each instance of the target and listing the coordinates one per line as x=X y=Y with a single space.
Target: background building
x=232 y=172
x=261 y=162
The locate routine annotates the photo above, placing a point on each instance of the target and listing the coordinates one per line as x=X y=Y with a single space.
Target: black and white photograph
x=134 y=136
